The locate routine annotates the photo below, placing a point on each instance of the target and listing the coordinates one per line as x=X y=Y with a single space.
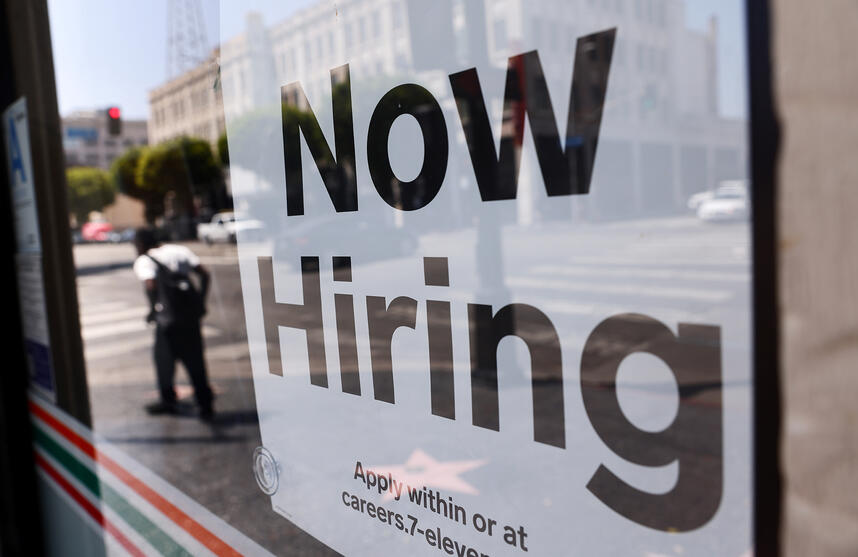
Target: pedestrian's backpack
x=178 y=301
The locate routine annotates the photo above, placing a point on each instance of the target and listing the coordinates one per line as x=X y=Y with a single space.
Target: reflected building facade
x=661 y=127
x=87 y=141
x=190 y=104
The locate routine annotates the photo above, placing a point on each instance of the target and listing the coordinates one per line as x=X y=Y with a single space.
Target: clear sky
x=112 y=52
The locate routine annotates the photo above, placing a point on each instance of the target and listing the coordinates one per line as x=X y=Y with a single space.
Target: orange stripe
x=194 y=528
x=88 y=507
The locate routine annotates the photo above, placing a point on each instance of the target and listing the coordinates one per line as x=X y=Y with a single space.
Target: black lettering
x=694 y=439
x=383 y=322
x=418 y=102
x=306 y=316
x=337 y=174
x=546 y=367
x=566 y=166
x=346 y=338
x=509 y=535
x=442 y=389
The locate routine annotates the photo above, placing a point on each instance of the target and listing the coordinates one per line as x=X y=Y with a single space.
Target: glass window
x=454 y=285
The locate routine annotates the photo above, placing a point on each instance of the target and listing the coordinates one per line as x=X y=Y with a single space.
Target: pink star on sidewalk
x=422 y=470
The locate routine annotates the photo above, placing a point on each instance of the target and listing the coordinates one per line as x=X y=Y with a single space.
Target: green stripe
x=145 y=527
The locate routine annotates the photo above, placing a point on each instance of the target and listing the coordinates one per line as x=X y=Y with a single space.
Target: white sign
x=485 y=319
x=20 y=164
x=31 y=290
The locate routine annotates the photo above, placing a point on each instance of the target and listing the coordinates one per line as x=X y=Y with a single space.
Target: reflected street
x=212 y=462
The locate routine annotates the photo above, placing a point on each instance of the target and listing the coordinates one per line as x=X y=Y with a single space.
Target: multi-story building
x=666 y=128
x=87 y=141
x=189 y=104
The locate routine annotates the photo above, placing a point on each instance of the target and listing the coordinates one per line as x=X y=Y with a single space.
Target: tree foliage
x=184 y=166
x=89 y=189
x=123 y=174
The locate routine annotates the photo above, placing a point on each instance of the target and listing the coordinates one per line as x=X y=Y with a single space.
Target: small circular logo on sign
x=265 y=470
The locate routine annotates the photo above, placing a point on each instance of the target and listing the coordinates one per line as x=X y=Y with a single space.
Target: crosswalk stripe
x=646 y=260
x=114 y=328
x=91 y=318
x=554 y=306
x=111 y=349
x=92 y=309
x=669 y=274
x=629 y=290
x=105 y=348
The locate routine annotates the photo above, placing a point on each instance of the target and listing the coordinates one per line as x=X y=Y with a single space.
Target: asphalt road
x=210 y=463
x=675 y=269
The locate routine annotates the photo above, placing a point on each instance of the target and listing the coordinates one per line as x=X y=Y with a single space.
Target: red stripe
x=63 y=430
x=90 y=509
x=194 y=528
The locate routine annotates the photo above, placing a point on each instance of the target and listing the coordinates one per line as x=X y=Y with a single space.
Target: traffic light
x=114 y=122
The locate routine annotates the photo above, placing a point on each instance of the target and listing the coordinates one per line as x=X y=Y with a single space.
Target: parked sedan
x=725 y=205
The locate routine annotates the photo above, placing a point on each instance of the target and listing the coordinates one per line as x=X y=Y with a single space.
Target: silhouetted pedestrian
x=176 y=307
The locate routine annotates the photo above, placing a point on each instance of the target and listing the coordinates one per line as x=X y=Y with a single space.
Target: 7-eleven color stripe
x=140 y=511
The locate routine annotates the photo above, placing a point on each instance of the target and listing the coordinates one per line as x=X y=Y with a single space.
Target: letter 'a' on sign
x=488 y=309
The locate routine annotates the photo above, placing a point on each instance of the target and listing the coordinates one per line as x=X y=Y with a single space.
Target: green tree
x=223 y=150
x=123 y=174
x=184 y=166
x=90 y=189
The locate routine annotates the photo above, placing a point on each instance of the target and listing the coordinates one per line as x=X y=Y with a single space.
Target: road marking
x=643 y=259
x=101 y=350
x=219 y=260
x=113 y=329
x=628 y=290
x=91 y=318
x=90 y=309
x=111 y=349
x=641 y=272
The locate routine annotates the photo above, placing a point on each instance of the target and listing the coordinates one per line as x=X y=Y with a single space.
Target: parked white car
x=225 y=227
x=727 y=204
x=724 y=187
x=696 y=200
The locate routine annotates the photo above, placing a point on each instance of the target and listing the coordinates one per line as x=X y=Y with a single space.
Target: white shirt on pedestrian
x=173 y=256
